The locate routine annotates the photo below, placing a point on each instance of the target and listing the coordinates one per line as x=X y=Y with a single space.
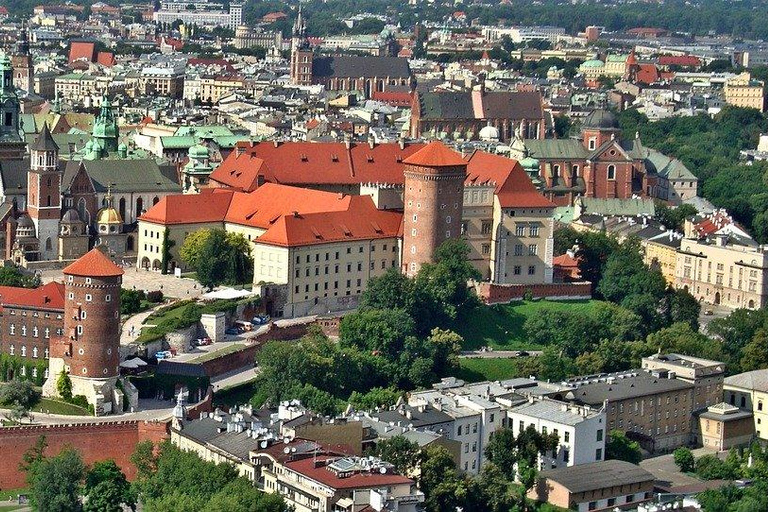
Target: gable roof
x=493 y=104
x=597 y=475
x=241 y=178
x=756 y=380
x=139 y=175
x=208 y=206
x=512 y=185
x=48 y=296
x=356 y=66
x=94 y=263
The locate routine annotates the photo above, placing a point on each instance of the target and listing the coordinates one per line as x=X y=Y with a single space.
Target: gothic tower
x=433 y=203
x=89 y=351
x=105 y=131
x=301 y=53
x=12 y=144
x=44 y=192
x=23 y=70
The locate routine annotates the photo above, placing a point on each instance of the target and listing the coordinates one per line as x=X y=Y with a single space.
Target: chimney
x=401 y=143
x=371 y=142
x=275 y=142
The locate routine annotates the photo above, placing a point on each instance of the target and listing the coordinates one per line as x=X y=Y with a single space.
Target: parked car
x=163 y=354
x=201 y=342
x=260 y=320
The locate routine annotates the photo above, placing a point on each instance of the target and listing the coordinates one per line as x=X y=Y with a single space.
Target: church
x=56 y=210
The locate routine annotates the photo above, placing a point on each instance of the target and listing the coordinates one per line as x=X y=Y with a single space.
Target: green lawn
x=501 y=326
x=478 y=369
x=5 y=495
x=58 y=407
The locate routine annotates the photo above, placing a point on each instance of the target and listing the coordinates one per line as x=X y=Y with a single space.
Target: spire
x=44 y=141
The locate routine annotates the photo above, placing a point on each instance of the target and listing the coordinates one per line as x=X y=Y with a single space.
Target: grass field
x=58 y=407
x=479 y=369
x=5 y=495
x=218 y=353
x=501 y=326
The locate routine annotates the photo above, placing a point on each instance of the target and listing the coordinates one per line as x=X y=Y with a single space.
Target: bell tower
x=44 y=192
x=301 y=54
x=12 y=144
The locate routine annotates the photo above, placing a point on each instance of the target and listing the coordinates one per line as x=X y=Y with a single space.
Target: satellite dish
x=383 y=470
x=293 y=450
x=263 y=444
x=286 y=450
x=286 y=440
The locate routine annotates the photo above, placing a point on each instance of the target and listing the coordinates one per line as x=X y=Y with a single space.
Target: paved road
x=666 y=471
x=497 y=354
x=717 y=312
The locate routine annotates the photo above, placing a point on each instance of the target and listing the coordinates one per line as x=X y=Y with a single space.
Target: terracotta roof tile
x=94 y=264
x=209 y=206
x=49 y=296
x=355 y=481
x=81 y=50
x=435 y=154
x=512 y=185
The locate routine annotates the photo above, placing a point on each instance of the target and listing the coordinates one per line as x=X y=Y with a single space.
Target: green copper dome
x=198 y=151
x=529 y=163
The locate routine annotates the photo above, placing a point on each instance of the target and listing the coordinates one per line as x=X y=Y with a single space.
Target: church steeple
x=9 y=103
x=105 y=131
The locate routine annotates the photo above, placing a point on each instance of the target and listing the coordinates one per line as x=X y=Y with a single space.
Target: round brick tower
x=91 y=325
x=433 y=203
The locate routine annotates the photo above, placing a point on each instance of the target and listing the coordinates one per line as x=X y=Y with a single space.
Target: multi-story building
x=581 y=430
x=705 y=375
x=29 y=319
x=723 y=269
x=247 y=37
x=654 y=408
x=749 y=392
x=744 y=91
x=212 y=88
x=203 y=13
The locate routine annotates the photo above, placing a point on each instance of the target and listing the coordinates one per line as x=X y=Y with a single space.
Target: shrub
x=684 y=459
x=155 y=296
x=64 y=386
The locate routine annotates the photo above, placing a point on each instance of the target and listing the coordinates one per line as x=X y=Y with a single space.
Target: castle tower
x=301 y=53
x=197 y=170
x=44 y=192
x=91 y=331
x=433 y=203
x=631 y=67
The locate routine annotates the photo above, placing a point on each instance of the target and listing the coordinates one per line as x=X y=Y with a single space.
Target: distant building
x=724 y=426
x=749 y=392
x=744 y=91
x=204 y=13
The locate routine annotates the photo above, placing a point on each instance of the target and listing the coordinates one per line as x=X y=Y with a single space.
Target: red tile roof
x=303 y=163
x=209 y=206
x=435 y=154
x=106 y=59
x=81 y=50
x=394 y=98
x=648 y=74
x=327 y=477
x=679 y=60
x=49 y=296
x=94 y=264
x=513 y=187
x=244 y=177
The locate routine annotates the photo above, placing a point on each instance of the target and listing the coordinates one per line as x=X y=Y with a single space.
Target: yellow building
x=743 y=91
x=717 y=271
x=661 y=252
x=749 y=391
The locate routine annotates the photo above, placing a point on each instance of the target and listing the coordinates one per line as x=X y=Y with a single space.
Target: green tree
x=754 y=355
x=55 y=482
x=377 y=330
x=130 y=301
x=64 y=386
x=376 y=397
x=12 y=276
x=619 y=446
x=19 y=392
x=107 y=489
x=189 y=252
x=710 y=467
x=398 y=451
x=684 y=459
x=439 y=480
x=223 y=258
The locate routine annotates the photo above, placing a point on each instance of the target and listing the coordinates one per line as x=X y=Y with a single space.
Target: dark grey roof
x=430 y=416
x=495 y=105
x=356 y=66
x=14 y=175
x=44 y=141
x=597 y=475
x=600 y=119
x=122 y=175
x=185 y=369
x=644 y=384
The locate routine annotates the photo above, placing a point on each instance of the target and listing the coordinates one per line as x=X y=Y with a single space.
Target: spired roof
x=94 y=264
x=44 y=141
x=435 y=154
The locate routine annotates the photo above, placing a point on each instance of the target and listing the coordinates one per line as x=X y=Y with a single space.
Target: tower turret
x=44 y=192
x=105 y=130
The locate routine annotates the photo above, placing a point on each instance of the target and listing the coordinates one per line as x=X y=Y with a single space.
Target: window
x=567 y=437
x=533 y=249
x=592 y=143
x=518 y=249
x=517 y=270
x=107 y=298
x=611 y=172
x=34 y=351
x=531 y=270
x=519 y=230
x=486 y=227
x=474 y=447
x=88 y=297
x=23 y=351
x=486 y=248
x=599 y=454
x=534 y=231
x=599 y=436
x=566 y=456
x=34 y=332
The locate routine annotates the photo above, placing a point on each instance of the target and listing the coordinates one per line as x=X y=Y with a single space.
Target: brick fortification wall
x=95 y=441
x=491 y=293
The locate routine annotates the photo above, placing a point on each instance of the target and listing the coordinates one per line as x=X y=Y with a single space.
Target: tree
x=439 y=480
x=189 y=252
x=32 y=457
x=64 y=386
x=501 y=450
x=12 y=276
x=398 y=451
x=620 y=447
x=710 y=467
x=754 y=356
x=377 y=330
x=107 y=489
x=55 y=482
x=19 y=392
x=222 y=258
x=684 y=459
x=376 y=397
x=130 y=301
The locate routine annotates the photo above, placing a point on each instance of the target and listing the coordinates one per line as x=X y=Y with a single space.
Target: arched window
x=611 y=172
x=48 y=244
x=139 y=206
x=155 y=200
x=121 y=207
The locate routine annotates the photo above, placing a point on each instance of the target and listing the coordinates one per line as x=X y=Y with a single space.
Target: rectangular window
x=599 y=454
x=486 y=248
x=534 y=231
x=486 y=227
x=517 y=270
x=533 y=250
x=532 y=270
x=599 y=436
x=518 y=249
x=520 y=230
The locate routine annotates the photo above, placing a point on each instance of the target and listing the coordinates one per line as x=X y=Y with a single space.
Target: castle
x=89 y=350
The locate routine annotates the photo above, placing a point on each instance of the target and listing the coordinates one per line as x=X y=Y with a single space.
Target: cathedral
x=53 y=209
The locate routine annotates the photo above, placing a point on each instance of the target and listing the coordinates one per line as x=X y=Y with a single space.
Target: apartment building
x=706 y=375
x=581 y=430
x=653 y=408
x=744 y=91
x=749 y=392
x=723 y=269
